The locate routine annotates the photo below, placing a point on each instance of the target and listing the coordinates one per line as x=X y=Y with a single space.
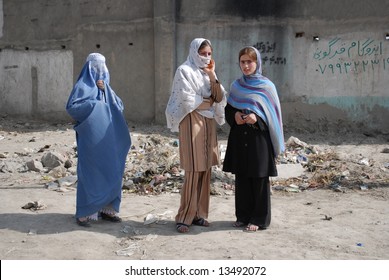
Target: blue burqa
x=103 y=139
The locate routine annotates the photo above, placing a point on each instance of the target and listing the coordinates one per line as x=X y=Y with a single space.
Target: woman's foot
x=182 y=228
x=111 y=218
x=84 y=222
x=200 y=222
x=251 y=228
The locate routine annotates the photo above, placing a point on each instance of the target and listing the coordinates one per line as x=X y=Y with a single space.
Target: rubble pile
x=325 y=169
x=153 y=168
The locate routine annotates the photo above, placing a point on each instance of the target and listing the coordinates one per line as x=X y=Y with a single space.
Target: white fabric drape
x=190 y=85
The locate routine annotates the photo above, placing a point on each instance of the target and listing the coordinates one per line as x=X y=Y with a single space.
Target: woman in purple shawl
x=256 y=138
x=103 y=141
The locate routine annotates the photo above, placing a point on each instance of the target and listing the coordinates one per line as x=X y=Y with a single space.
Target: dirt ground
x=317 y=222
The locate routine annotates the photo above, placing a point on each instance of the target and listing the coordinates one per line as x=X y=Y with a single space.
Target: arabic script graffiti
x=353 y=49
x=268 y=48
x=353 y=66
x=265 y=47
x=339 y=57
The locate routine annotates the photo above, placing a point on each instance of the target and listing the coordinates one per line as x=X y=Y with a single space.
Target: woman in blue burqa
x=103 y=141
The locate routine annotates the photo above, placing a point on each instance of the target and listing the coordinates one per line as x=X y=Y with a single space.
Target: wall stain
x=255 y=8
x=247 y=9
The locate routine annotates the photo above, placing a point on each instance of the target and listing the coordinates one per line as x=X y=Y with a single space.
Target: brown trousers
x=198 y=152
x=195 y=196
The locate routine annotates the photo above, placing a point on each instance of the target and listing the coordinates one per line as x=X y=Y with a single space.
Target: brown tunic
x=198 y=143
x=198 y=152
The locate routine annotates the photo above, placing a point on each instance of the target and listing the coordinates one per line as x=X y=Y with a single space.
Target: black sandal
x=201 y=222
x=83 y=223
x=182 y=228
x=239 y=224
x=114 y=219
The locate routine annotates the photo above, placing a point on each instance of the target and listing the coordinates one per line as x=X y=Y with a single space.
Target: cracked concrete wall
x=119 y=29
x=328 y=59
x=35 y=84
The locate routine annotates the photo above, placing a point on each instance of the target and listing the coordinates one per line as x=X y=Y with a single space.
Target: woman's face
x=247 y=65
x=205 y=51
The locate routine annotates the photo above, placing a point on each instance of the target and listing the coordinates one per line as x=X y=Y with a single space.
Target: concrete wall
x=31 y=84
x=339 y=78
x=121 y=30
x=1 y=18
x=342 y=77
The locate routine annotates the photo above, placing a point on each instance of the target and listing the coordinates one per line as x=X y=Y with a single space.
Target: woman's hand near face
x=100 y=84
x=211 y=66
x=210 y=70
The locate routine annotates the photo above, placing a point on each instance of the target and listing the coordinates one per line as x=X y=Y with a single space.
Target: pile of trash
x=325 y=169
x=153 y=167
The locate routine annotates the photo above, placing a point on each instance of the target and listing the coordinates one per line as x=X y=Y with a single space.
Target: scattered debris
x=364 y=161
x=129 y=251
x=158 y=218
x=149 y=219
x=153 y=166
x=32 y=232
x=325 y=169
x=34 y=205
x=327 y=218
x=385 y=151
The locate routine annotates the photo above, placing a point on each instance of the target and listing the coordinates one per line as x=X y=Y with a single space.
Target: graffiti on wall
x=267 y=51
x=339 y=57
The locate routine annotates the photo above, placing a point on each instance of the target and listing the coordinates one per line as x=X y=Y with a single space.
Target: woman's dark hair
x=250 y=52
x=204 y=44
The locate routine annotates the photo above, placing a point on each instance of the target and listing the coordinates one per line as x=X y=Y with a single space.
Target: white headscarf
x=190 y=85
x=194 y=58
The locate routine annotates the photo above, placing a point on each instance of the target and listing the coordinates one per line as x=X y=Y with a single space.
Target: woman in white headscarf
x=196 y=104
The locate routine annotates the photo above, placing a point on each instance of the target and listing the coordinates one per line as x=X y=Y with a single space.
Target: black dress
x=250 y=157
